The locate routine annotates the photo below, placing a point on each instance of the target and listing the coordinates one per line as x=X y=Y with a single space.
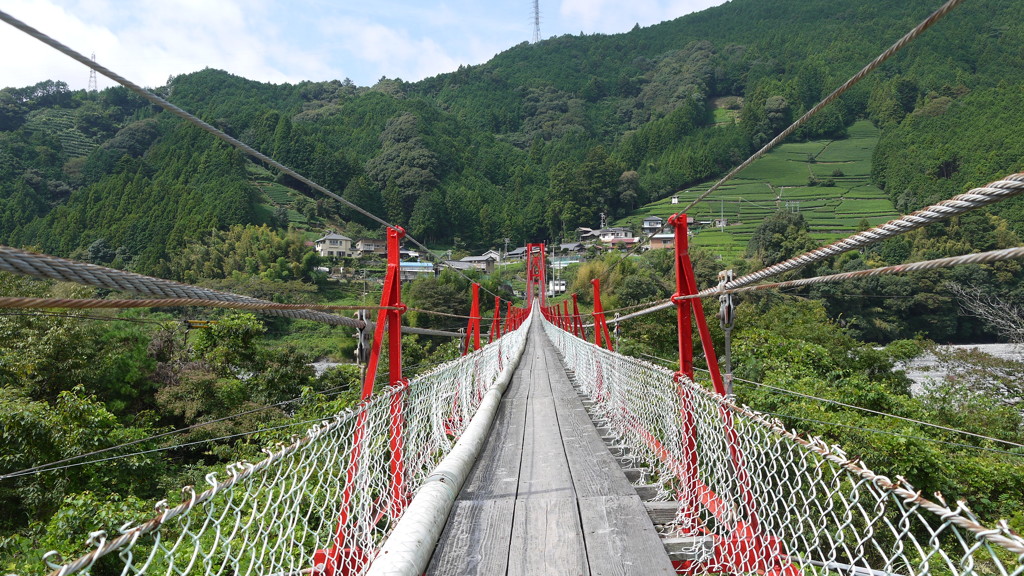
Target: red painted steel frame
x=495 y=332
x=343 y=556
x=686 y=285
x=535 y=277
x=577 y=322
x=473 y=329
x=600 y=325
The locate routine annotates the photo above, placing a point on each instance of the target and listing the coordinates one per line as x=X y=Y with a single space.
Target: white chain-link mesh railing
x=321 y=505
x=754 y=497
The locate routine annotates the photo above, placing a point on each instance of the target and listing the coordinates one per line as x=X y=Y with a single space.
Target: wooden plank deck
x=546 y=497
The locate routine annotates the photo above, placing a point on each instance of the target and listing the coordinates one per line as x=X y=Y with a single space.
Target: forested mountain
x=530 y=145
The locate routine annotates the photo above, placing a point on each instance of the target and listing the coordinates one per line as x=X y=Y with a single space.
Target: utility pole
x=505 y=255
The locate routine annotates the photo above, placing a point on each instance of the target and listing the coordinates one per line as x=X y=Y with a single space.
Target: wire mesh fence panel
x=754 y=497
x=321 y=505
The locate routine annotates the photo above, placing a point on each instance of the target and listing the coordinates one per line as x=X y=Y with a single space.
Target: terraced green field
x=834 y=208
x=61 y=124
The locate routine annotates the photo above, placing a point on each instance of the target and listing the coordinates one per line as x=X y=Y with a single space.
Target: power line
x=860 y=408
x=55 y=465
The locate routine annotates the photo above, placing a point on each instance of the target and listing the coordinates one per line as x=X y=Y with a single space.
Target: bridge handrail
x=813 y=506
x=273 y=517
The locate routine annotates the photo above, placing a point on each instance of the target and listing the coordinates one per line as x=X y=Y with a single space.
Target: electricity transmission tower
x=536 y=21
x=92 y=76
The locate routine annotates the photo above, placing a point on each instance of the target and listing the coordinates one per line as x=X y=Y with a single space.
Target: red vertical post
x=535 y=274
x=683 y=322
x=577 y=321
x=565 y=316
x=473 y=329
x=601 y=336
x=686 y=286
x=496 y=322
x=343 y=550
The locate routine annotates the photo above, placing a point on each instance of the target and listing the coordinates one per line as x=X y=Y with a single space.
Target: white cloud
x=148 y=40
x=28 y=61
x=393 y=52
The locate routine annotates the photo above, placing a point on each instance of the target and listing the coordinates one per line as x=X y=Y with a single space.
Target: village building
x=371 y=246
x=413 y=270
x=484 y=263
x=516 y=254
x=333 y=245
x=652 y=224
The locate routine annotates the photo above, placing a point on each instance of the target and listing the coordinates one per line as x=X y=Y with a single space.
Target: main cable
x=54 y=268
x=992 y=193
x=206 y=127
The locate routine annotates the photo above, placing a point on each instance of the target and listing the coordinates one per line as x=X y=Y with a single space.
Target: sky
x=148 y=41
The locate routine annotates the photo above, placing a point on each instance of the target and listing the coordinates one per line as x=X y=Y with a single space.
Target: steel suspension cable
x=53 y=268
x=122 y=303
x=206 y=127
x=994 y=192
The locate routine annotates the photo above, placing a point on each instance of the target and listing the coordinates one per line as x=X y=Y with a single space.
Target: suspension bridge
x=544 y=451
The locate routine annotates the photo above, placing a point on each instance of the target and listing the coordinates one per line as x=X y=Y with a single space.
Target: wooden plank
x=621 y=540
x=475 y=540
x=496 y=471
x=595 y=472
x=547 y=539
x=544 y=472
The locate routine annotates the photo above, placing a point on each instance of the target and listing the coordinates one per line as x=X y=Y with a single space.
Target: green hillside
x=543 y=138
x=826 y=181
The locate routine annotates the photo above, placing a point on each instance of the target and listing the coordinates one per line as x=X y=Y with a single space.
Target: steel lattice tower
x=92 y=76
x=536 y=21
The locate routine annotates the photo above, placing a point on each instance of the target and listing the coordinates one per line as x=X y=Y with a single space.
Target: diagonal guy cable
x=192 y=119
x=899 y=45
x=53 y=268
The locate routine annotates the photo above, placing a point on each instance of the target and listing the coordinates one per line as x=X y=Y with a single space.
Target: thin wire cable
x=84 y=317
x=100 y=303
x=206 y=127
x=54 y=465
x=860 y=408
x=899 y=45
x=168 y=448
x=891 y=433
